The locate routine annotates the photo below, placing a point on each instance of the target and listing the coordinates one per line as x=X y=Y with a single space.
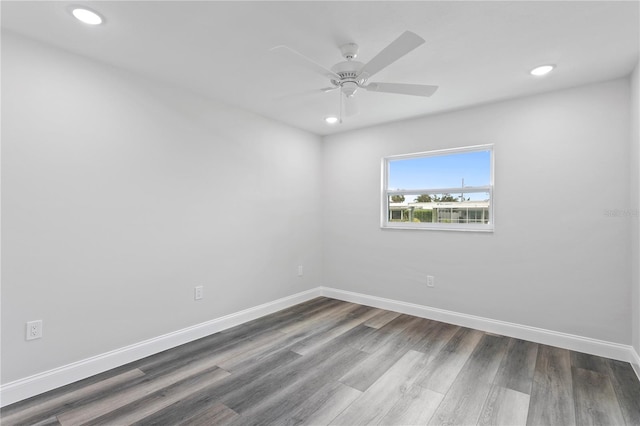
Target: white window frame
x=387 y=193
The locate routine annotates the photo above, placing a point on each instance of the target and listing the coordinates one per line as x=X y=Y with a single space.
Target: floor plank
x=434 y=339
x=380 y=398
x=324 y=405
x=627 y=388
x=320 y=318
x=396 y=344
x=415 y=407
x=45 y=410
x=551 y=400
x=463 y=403
x=589 y=362
x=234 y=384
x=387 y=333
x=382 y=319
x=516 y=370
x=264 y=388
x=595 y=399
x=277 y=407
x=375 y=365
x=354 y=318
x=143 y=407
x=504 y=407
x=50 y=421
x=88 y=412
x=267 y=350
x=447 y=363
x=217 y=414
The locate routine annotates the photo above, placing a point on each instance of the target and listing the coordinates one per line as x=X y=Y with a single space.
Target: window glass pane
x=441 y=171
x=439 y=208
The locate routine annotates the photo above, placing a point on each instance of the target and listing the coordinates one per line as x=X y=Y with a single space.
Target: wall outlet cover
x=430 y=281
x=198 y=292
x=34 y=330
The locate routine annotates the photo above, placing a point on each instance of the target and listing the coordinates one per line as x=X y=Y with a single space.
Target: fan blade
x=350 y=106
x=300 y=59
x=403 y=89
x=396 y=50
x=305 y=93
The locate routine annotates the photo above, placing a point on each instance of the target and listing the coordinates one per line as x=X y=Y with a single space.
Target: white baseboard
x=635 y=363
x=533 y=334
x=39 y=383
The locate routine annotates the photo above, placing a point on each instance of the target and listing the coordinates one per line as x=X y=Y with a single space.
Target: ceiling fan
x=351 y=75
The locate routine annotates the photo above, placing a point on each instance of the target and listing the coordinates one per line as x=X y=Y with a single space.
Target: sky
x=442 y=171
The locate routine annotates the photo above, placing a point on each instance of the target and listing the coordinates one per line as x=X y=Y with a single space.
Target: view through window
x=446 y=189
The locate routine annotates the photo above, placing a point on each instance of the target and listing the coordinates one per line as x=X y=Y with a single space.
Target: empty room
x=320 y=213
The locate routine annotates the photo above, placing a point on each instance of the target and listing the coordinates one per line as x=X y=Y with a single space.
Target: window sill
x=439 y=227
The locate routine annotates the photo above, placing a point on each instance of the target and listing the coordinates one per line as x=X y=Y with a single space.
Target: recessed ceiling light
x=87 y=16
x=542 y=70
x=331 y=119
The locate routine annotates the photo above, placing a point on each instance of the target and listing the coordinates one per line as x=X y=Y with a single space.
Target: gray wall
x=635 y=204
x=120 y=195
x=555 y=261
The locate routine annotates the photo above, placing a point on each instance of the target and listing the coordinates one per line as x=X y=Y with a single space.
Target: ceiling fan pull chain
x=340 y=100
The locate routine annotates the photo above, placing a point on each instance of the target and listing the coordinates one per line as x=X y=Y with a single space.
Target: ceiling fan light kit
x=350 y=75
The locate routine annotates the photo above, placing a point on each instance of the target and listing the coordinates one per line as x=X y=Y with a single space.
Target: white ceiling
x=476 y=51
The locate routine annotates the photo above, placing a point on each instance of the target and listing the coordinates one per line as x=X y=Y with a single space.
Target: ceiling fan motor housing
x=350 y=79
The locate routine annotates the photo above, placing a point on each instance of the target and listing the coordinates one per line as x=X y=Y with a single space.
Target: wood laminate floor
x=328 y=362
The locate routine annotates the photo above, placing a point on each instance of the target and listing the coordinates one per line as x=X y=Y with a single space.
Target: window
x=449 y=189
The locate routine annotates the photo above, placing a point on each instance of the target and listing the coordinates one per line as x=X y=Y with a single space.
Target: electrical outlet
x=300 y=270
x=34 y=330
x=431 y=281
x=198 y=292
